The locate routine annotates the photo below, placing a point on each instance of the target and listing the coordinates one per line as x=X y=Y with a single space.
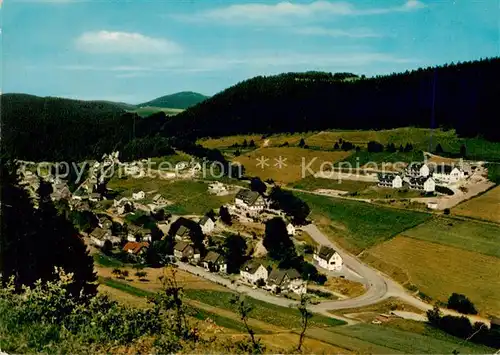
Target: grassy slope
x=311 y=183
x=296 y=159
x=359 y=225
x=149 y=110
x=469 y=235
x=187 y=196
x=485 y=206
x=421 y=139
x=407 y=342
x=439 y=270
x=269 y=313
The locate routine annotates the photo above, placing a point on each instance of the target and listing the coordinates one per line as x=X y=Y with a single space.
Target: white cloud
x=125 y=43
x=284 y=12
x=331 y=32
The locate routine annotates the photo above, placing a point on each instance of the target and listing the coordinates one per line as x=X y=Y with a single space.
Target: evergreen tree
x=224 y=214
x=401 y=149
x=439 y=149
x=302 y=143
x=257 y=185
x=251 y=144
x=463 y=151
x=61 y=245
x=276 y=240
x=235 y=248
x=18 y=238
x=336 y=146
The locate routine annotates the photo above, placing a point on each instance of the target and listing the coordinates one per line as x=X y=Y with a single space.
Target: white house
x=416 y=170
x=214 y=262
x=207 y=225
x=290 y=228
x=422 y=183
x=138 y=195
x=253 y=272
x=286 y=281
x=429 y=185
x=448 y=174
x=249 y=200
x=390 y=180
x=99 y=236
x=328 y=259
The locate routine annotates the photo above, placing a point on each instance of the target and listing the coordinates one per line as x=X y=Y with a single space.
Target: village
x=129 y=227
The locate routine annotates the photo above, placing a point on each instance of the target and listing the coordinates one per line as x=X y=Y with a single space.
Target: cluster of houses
x=423 y=177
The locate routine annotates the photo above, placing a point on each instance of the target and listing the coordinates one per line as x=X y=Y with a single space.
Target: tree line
x=461 y=96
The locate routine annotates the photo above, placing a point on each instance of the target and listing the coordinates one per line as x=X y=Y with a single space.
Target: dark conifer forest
x=460 y=96
x=464 y=97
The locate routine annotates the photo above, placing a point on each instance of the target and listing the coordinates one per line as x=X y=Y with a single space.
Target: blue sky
x=136 y=50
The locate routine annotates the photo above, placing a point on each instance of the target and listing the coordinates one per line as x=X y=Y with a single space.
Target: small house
x=432 y=205
x=138 y=195
x=183 y=250
x=98 y=236
x=214 y=262
x=207 y=225
x=290 y=228
x=249 y=200
x=95 y=197
x=328 y=258
x=390 y=180
x=252 y=272
x=159 y=200
x=136 y=248
x=105 y=223
x=286 y=281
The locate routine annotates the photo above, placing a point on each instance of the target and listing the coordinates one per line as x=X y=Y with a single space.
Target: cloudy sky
x=136 y=50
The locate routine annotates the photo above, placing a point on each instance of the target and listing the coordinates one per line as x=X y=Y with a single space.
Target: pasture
x=263 y=311
x=469 y=235
x=296 y=162
x=408 y=342
x=149 y=110
x=310 y=183
x=359 y=225
x=438 y=270
x=485 y=206
x=185 y=196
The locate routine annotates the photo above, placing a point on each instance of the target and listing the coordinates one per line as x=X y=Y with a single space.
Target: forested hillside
x=39 y=128
x=180 y=100
x=464 y=97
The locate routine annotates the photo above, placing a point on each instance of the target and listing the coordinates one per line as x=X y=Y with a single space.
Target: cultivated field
x=186 y=196
x=439 y=270
x=311 y=183
x=272 y=141
x=359 y=225
x=486 y=206
x=421 y=138
x=149 y=110
x=296 y=160
x=469 y=235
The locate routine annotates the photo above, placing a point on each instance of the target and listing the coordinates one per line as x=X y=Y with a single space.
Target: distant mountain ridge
x=179 y=100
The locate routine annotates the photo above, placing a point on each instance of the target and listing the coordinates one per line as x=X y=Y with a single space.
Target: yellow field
x=294 y=161
x=486 y=206
x=439 y=270
x=416 y=136
x=224 y=142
